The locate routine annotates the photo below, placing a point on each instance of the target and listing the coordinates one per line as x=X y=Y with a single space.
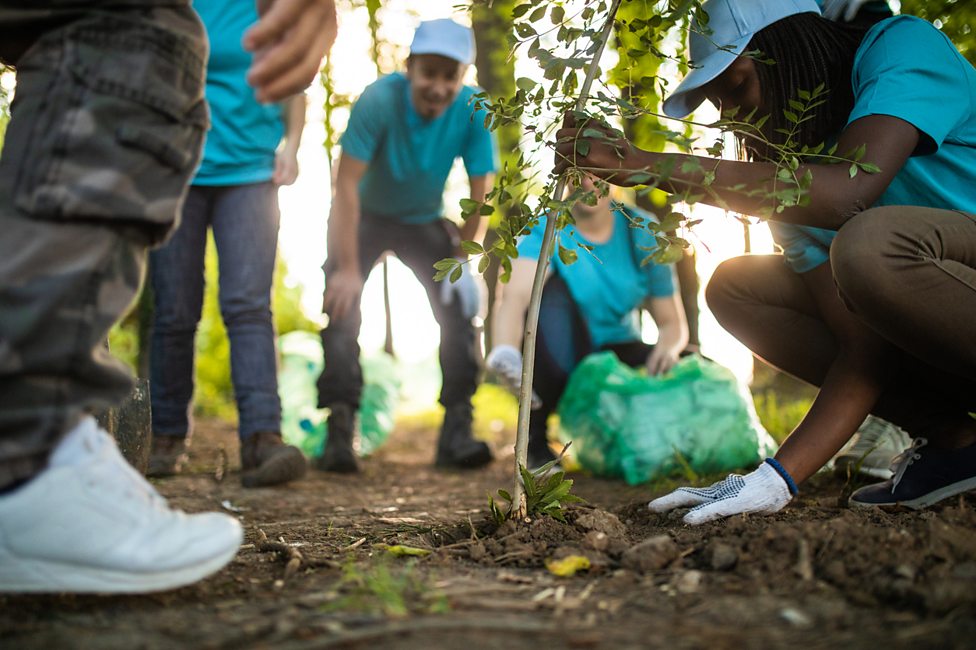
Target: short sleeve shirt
x=608 y=283
x=908 y=69
x=244 y=134
x=409 y=158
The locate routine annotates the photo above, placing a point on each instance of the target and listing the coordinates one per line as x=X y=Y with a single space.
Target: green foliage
x=563 y=38
x=546 y=492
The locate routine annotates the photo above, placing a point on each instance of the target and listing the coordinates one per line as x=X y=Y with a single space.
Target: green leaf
x=567 y=256
x=456 y=273
x=526 y=84
x=483 y=264
x=472 y=248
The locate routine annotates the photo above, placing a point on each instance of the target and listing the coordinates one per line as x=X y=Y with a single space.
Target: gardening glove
x=833 y=9
x=766 y=490
x=505 y=363
x=465 y=290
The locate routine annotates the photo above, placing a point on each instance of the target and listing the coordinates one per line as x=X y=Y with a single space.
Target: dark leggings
x=909 y=273
x=563 y=341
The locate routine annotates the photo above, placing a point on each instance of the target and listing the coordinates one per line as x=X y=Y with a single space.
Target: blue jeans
x=244 y=219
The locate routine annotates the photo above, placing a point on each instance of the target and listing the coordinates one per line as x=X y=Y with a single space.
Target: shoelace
x=901 y=462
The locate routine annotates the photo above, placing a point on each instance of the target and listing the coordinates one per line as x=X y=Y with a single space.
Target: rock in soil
x=651 y=555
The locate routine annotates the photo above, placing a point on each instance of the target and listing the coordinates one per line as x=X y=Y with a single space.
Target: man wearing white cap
x=404 y=134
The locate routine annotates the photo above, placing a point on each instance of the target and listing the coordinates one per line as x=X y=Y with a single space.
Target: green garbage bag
x=303 y=424
x=626 y=424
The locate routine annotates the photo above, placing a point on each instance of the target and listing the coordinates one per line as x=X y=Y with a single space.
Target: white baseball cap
x=446 y=38
x=731 y=25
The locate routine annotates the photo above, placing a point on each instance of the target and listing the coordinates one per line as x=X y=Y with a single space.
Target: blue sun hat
x=444 y=37
x=731 y=25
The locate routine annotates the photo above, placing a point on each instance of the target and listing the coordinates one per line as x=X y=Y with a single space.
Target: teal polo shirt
x=240 y=146
x=908 y=69
x=409 y=158
x=608 y=284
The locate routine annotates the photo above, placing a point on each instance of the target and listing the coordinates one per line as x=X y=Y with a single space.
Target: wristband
x=783 y=474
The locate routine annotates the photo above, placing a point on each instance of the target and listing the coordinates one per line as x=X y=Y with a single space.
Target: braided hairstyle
x=808 y=50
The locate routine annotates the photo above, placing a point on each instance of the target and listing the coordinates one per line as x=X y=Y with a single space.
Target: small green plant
x=396 y=590
x=546 y=492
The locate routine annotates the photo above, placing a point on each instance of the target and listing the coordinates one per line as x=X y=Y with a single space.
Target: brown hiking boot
x=167 y=456
x=456 y=447
x=339 y=454
x=267 y=460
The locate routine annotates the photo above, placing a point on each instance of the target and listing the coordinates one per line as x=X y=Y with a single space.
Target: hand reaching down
x=766 y=490
x=505 y=363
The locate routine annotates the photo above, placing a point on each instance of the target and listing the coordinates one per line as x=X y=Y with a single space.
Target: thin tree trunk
x=532 y=316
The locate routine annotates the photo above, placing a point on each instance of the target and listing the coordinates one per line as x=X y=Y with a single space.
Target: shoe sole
x=923 y=501
x=474 y=461
x=280 y=469
x=337 y=467
x=23 y=576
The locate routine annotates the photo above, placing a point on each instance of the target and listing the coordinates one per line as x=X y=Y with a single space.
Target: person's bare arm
x=511 y=303
x=286 y=160
x=672 y=327
x=473 y=229
x=834 y=196
x=849 y=391
x=344 y=283
x=289 y=42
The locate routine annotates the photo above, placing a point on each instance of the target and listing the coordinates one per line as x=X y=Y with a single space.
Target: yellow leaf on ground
x=404 y=551
x=568 y=566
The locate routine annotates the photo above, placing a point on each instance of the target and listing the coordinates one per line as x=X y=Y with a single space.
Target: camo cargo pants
x=106 y=128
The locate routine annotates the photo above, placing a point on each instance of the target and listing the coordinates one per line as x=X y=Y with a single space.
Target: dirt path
x=814 y=576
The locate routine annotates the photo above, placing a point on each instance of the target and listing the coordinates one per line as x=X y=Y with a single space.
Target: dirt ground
x=315 y=572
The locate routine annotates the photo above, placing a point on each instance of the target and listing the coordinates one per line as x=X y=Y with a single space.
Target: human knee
x=725 y=292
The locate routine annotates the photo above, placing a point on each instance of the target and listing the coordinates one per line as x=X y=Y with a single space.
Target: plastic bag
x=303 y=424
x=626 y=424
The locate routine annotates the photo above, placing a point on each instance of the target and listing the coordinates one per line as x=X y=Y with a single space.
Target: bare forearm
x=344 y=230
x=847 y=396
x=745 y=187
x=294 y=118
x=511 y=303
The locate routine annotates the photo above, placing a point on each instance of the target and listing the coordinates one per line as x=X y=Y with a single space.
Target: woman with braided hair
x=878 y=289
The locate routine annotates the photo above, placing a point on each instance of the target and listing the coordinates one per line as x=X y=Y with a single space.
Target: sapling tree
x=567 y=40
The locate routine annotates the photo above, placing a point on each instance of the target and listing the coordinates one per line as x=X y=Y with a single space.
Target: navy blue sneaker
x=922 y=477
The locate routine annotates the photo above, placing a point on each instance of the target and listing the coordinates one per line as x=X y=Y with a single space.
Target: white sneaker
x=872 y=448
x=91 y=523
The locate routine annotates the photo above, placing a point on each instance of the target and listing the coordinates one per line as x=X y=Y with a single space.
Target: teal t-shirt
x=244 y=134
x=409 y=158
x=608 y=283
x=908 y=69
